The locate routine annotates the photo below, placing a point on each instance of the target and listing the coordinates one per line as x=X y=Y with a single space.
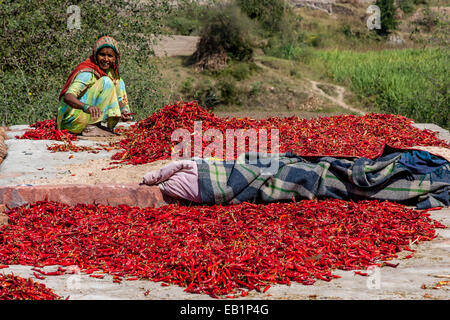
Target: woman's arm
x=81 y=82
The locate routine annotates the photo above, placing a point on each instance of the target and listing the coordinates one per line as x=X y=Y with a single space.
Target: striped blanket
x=411 y=177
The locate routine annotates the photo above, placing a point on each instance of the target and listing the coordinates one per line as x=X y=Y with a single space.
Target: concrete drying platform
x=72 y=194
x=414 y=278
x=29 y=160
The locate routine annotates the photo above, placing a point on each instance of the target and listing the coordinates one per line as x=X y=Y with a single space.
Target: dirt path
x=170 y=46
x=177 y=45
x=339 y=100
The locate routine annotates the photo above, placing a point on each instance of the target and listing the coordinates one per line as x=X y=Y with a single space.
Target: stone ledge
x=72 y=194
x=3 y=216
x=3 y=147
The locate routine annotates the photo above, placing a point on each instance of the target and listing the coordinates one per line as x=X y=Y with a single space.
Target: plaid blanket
x=257 y=177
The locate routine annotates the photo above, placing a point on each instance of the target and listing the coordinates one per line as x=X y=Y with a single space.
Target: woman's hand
x=126 y=117
x=94 y=112
x=73 y=101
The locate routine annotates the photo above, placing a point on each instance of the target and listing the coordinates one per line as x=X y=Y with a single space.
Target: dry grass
x=277 y=86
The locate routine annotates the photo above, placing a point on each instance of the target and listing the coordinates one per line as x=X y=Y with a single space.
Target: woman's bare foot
x=96 y=131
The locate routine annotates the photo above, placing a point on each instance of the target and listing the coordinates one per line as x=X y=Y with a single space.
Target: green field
x=411 y=82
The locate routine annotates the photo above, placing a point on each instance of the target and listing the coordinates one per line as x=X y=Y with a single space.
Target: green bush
x=204 y=91
x=389 y=22
x=211 y=92
x=297 y=51
x=227 y=29
x=238 y=70
x=407 y=6
x=229 y=93
x=187 y=85
x=184 y=26
x=255 y=89
x=39 y=50
x=350 y=32
x=207 y=94
x=188 y=17
x=316 y=40
x=429 y=20
x=270 y=13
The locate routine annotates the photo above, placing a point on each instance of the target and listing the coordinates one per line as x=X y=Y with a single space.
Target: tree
x=227 y=34
x=388 y=20
x=43 y=40
x=270 y=13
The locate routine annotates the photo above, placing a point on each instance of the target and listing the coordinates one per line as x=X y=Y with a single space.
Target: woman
x=94 y=93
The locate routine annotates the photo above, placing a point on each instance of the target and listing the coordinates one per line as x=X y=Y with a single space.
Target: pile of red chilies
x=17 y=288
x=47 y=130
x=217 y=250
x=346 y=135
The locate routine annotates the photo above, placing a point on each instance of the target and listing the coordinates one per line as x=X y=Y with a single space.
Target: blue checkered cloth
x=260 y=178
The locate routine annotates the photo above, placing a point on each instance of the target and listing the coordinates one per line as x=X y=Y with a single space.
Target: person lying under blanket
x=412 y=177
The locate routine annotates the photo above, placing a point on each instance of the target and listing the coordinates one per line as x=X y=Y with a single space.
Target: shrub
x=351 y=32
x=207 y=94
x=184 y=26
x=204 y=91
x=39 y=50
x=388 y=21
x=407 y=6
x=211 y=92
x=429 y=20
x=188 y=17
x=316 y=40
x=255 y=89
x=297 y=51
x=227 y=34
x=270 y=13
x=229 y=92
x=187 y=85
x=238 y=70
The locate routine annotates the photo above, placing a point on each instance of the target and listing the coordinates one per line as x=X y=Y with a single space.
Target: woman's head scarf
x=91 y=65
x=107 y=42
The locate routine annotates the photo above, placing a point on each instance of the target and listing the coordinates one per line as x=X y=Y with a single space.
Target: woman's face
x=106 y=58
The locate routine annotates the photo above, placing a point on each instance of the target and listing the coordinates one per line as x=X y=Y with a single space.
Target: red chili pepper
x=217 y=250
x=393 y=265
x=17 y=288
x=346 y=135
x=38 y=276
x=46 y=130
